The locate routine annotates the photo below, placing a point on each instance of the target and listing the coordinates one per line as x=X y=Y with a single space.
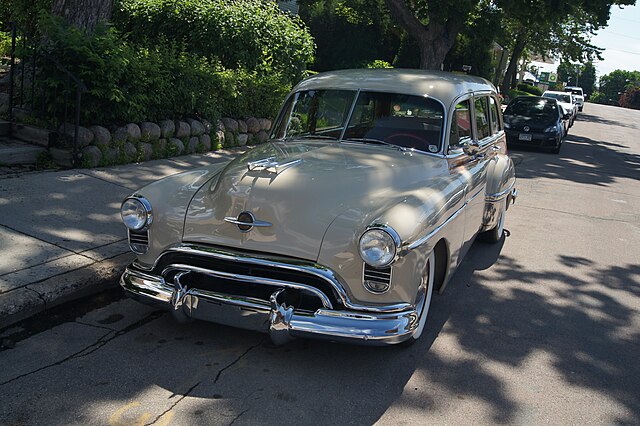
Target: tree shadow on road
x=581 y=160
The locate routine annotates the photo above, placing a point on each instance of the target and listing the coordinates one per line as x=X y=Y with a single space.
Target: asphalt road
x=543 y=328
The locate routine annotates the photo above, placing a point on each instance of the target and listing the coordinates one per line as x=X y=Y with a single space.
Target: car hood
x=566 y=106
x=303 y=198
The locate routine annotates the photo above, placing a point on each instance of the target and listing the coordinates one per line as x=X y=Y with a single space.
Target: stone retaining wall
x=145 y=141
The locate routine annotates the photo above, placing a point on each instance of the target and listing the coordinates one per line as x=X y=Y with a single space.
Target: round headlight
x=136 y=213
x=377 y=247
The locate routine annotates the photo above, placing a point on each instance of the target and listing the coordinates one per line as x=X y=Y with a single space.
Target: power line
x=627 y=19
x=618 y=34
x=624 y=51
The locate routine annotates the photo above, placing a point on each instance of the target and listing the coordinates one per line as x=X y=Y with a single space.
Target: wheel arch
x=442 y=254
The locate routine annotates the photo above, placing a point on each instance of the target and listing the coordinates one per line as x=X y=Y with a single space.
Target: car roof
x=534 y=98
x=444 y=86
x=555 y=92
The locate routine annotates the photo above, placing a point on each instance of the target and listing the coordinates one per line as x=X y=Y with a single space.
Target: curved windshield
x=406 y=121
x=315 y=113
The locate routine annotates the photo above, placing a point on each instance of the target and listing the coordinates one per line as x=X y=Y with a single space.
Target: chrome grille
x=377 y=280
x=222 y=275
x=139 y=241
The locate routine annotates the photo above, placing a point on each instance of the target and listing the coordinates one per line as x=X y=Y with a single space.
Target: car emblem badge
x=526 y=128
x=246 y=221
x=271 y=165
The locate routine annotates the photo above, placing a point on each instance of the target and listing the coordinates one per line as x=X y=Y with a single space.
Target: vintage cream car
x=371 y=189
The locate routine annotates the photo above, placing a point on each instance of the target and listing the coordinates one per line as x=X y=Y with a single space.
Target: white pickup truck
x=578 y=95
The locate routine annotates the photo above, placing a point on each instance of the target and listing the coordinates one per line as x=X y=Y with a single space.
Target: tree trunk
x=434 y=39
x=84 y=14
x=509 y=77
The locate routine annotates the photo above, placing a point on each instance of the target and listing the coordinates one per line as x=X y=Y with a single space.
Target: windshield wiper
x=376 y=142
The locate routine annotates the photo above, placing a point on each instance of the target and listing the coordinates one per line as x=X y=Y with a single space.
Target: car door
x=470 y=158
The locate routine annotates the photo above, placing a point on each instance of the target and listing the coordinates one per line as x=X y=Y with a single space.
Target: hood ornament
x=246 y=221
x=271 y=165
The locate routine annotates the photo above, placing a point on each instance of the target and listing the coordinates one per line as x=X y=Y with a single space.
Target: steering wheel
x=424 y=142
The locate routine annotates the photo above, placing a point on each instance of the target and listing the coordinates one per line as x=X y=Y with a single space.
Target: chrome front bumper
x=274 y=317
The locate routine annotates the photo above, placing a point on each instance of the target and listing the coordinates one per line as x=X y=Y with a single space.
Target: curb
x=32 y=299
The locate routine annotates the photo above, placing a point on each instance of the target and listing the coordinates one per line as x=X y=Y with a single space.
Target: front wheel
x=426 y=291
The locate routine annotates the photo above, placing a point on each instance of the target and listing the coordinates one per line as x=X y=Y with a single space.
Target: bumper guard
x=283 y=323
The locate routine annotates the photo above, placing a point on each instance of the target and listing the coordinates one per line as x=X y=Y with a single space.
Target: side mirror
x=471 y=148
x=566 y=116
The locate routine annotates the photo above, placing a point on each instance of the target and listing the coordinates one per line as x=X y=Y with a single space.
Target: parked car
x=578 y=95
x=534 y=121
x=567 y=102
x=363 y=203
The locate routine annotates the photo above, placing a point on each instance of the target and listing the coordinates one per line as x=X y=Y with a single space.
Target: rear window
x=559 y=96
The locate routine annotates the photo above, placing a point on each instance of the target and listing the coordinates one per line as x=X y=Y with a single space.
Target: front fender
x=413 y=214
x=170 y=198
x=501 y=180
x=501 y=175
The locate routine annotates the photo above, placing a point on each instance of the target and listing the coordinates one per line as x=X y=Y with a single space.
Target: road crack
x=232 y=363
x=88 y=350
x=238 y=416
x=192 y=388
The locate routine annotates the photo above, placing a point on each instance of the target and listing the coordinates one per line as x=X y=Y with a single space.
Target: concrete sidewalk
x=61 y=236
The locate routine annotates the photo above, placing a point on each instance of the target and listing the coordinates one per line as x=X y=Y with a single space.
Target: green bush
x=529 y=89
x=126 y=82
x=512 y=94
x=24 y=12
x=248 y=34
x=378 y=63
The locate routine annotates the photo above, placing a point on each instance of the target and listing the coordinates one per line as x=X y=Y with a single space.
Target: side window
x=493 y=110
x=482 y=117
x=460 y=125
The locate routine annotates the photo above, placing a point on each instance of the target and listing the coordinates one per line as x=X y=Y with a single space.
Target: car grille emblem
x=271 y=165
x=525 y=128
x=246 y=221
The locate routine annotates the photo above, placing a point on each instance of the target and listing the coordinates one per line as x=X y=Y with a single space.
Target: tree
x=350 y=34
x=84 y=14
x=615 y=84
x=631 y=98
x=474 y=45
x=433 y=24
x=588 y=79
x=547 y=27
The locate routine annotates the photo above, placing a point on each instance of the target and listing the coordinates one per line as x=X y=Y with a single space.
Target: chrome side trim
x=500 y=195
x=292 y=265
x=250 y=279
x=420 y=241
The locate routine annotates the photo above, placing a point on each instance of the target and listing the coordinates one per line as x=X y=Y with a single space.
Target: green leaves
x=248 y=34
x=127 y=82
